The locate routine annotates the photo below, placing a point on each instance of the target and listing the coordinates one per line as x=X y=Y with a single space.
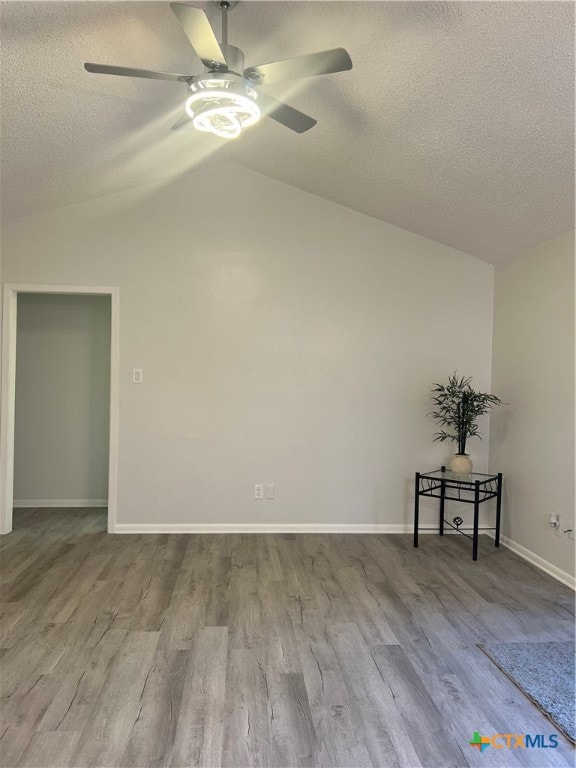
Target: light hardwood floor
x=262 y=650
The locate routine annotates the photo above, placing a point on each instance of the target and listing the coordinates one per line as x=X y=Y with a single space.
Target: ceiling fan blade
x=183 y=123
x=198 y=30
x=105 y=69
x=321 y=63
x=285 y=114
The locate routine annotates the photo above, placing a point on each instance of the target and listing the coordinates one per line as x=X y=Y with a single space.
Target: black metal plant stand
x=475 y=488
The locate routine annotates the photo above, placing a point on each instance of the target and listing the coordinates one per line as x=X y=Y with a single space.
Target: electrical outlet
x=558 y=526
x=258 y=490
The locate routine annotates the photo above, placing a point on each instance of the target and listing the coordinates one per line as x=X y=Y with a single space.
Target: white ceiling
x=457 y=121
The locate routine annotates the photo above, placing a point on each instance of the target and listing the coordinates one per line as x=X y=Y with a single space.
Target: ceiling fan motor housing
x=228 y=80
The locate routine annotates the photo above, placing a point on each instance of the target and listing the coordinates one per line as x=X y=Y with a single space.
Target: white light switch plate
x=137 y=375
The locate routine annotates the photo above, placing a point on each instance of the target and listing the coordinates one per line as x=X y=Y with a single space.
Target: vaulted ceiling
x=456 y=122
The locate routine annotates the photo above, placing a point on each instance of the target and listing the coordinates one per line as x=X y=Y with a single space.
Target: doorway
x=60 y=435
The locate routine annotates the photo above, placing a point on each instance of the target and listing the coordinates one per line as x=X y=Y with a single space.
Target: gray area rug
x=545 y=673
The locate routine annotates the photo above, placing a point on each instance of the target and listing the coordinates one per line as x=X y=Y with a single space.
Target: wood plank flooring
x=262 y=650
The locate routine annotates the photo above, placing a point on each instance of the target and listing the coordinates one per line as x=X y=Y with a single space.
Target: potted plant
x=456 y=409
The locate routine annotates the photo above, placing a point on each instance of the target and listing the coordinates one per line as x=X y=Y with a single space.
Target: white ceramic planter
x=461 y=464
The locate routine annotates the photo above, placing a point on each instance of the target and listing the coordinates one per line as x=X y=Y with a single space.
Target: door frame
x=7 y=405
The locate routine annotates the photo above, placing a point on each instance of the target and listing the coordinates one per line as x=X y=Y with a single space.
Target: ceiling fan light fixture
x=222 y=107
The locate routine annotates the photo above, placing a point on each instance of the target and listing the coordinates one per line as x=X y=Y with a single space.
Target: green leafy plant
x=456 y=408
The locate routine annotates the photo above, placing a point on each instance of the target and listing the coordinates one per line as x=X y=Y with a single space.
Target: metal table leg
x=498 y=510
x=476 y=516
x=442 y=495
x=416 y=506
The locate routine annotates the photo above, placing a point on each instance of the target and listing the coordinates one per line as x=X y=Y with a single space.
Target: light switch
x=136 y=375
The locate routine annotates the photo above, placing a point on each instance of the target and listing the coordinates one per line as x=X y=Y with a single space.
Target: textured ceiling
x=457 y=121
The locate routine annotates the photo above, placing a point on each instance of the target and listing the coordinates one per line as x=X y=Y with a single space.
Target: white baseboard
x=51 y=503
x=261 y=528
x=272 y=528
x=539 y=562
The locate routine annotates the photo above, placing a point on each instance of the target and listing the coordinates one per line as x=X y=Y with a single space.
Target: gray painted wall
x=62 y=398
x=532 y=440
x=283 y=338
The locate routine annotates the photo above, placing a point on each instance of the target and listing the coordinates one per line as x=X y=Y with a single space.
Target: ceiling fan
x=227 y=98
